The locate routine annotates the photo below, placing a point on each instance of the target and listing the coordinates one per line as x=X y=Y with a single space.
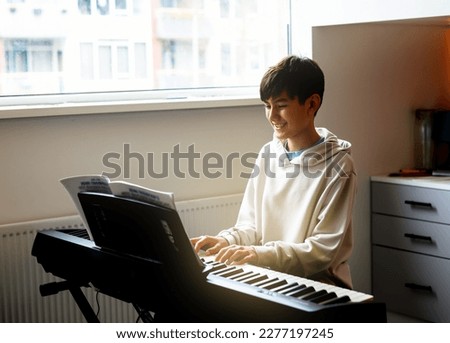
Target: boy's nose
x=272 y=114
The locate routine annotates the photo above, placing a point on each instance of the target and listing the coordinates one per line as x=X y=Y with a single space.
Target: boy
x=296 y=212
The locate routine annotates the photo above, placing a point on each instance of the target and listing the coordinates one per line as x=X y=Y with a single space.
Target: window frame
x=29 y=106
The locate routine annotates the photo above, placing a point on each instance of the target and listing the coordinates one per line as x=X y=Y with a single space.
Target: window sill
x=69 y=106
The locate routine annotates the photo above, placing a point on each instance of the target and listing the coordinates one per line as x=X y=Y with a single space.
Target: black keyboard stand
x=144 y=315
x=79 y=297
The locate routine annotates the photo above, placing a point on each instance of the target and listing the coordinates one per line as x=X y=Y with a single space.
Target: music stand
x=150 y=232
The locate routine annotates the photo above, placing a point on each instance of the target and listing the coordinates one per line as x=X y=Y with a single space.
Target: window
x=137 y=45
x=140 y=58
x=105 y=62
x=86 y=61
x=23 y=55
x=103 y=7
x=84 y=6
x=123 y=63
x=16 y=55
x=121 y=4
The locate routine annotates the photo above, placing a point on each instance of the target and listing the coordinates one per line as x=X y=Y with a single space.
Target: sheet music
x=102 y=184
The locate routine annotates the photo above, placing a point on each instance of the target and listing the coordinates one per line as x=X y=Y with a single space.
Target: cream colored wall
x=36 y=153
x=376 y=76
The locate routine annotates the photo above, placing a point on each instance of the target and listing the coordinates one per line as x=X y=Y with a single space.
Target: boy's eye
x=276 y=105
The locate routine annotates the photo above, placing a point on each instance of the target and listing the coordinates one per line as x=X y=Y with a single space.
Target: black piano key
x=314 y=295
x=217 y=267
x=231 y=273
x=275 y=285
x=265 y=282
x=325 y=297
x=339 y=300
x=255 y=280
x=223 y=270
x=239 y=276
x=249 y=276
x=293 y=290
x=81 y=233
x=302 y=292
x=211 y=263
x=286 y=288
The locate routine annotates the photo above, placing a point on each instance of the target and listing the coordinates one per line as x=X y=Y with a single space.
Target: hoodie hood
x=328 y=149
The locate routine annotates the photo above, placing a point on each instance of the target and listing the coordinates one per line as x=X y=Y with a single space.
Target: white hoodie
x=297 y=214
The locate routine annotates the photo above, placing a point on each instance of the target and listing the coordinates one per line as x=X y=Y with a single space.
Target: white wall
x=376 y=76
x=36 y=153
x=309 y=14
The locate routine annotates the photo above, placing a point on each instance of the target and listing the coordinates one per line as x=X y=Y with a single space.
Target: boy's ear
x=315 y=101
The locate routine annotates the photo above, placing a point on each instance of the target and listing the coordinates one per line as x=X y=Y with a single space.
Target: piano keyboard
x=284 y=288
x=244 y=293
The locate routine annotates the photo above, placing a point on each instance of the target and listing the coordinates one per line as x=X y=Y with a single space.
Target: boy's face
x=291 y=120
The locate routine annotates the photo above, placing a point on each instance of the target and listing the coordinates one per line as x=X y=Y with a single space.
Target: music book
x=102 y=184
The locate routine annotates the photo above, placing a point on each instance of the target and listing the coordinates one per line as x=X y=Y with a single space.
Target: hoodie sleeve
x=245 y=231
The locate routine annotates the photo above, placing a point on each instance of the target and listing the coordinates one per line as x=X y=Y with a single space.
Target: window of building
x=138 y=45
x=103 y=7
x=140 y=61
x=84 y=6
x=105 y=62
x=86 y=61
x=28 y=55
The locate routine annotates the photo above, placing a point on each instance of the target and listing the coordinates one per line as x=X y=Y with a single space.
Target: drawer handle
x=423 y=238
x=418 y=203
x=417 y=287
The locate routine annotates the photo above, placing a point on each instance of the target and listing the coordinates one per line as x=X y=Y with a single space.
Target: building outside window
x=70 y=46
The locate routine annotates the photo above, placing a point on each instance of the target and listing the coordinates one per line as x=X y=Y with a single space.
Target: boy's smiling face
x=293 y=121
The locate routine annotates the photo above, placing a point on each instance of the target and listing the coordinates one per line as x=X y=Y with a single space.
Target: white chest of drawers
x=410 y=233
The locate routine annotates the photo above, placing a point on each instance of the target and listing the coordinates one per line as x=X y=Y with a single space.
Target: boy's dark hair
x=300 y=77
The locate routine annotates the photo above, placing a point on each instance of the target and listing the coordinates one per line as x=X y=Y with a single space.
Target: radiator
x=21 y=275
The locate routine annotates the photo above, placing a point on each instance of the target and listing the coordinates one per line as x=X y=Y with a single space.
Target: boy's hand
x=210 y=244
x=237 y=254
